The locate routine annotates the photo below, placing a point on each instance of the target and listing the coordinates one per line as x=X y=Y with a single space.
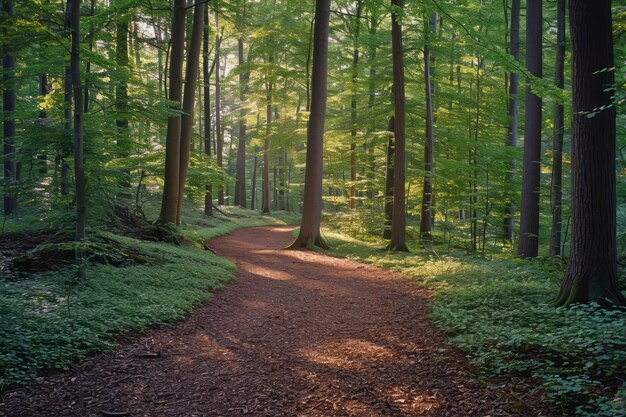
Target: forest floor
x=298 y=333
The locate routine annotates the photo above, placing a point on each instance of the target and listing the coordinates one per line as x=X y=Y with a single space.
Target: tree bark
x=556 y=193
x=353 y=104
x=79 y=170
x=398 y=225
x=265 y=200
x=169 y=207
x=189 y=100
x=591 y=274
x=121 y=87
x=240 y=184
x=429 y=149
x=513 y=105
x=206 y=72
x=388 y=204
x=219 y=138
x=8 y=108
x=312 y=205
x=529 y=216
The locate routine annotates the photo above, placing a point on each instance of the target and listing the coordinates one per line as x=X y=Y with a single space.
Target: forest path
x=298 y=334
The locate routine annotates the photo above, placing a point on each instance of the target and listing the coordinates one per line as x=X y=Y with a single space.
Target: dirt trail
x=298 y=334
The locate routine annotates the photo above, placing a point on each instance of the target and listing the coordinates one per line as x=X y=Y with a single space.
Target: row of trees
x=432 y=84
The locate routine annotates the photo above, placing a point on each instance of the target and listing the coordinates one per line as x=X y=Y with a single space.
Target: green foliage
x=499 y=311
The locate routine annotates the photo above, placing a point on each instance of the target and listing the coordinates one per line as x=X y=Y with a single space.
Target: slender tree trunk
x=79 y=170
x=208 y=195
x=92 y=9
x=312 y=205
x=556 y=193
x=513 y=100
x=591 y=273
x=121 y=88
x=398 y=226
x=371 y=100
x=189 y=101
x=266 y=142
x=429 y=149
x=219 y=138
x=353 y=105
x=240 y=185
x=253 y=185
x=44 y=90
x=169 y=208
x=8 y=108
x=529 y=216
x=388 y=204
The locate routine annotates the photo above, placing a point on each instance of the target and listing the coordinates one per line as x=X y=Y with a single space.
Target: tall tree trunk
x=312 y=205
x=266 y=142
x=169 y=207
x=240 y=184
x=79 y=170
x=353 y=104
x=92 y=9
x=219 y=138
x=556 y=193
x=206 y=72
x=388 y=204
x=429 y=149
x=189 y=101
x=370 y=103
x=529 y=216
x=398 y=225
x=121 y=87
x=8 y=108
x=591 y=273
x=44 y=90
x=513 y=100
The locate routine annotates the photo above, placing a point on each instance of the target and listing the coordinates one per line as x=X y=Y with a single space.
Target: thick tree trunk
x=240 y=184
x=591 y=273
x=169 y=207
x=312 y=205
x=8 y=108
x=79 y=170
x=509 y=209
x=429 y=149
x=398 y=225
x=206 y=73
x=556 y=193
x=529 y=216
x=388 y=204
x=189 y=100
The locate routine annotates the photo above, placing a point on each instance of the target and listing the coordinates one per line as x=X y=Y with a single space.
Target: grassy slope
x=499 y=311
x=47 y=324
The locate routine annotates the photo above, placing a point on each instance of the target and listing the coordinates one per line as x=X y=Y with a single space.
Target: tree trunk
x=312 y=205
x=219 y=138
x=253 y=185
x=169 y=207
x=591 y=273
x=388 y=204
x=240 y=185
x=529 y=216
x=189 y=100
x=8 y=108
x=429 y=149
x=266 y=142
x=353 y=104
x=398 y=225
x=79 y=170
x=121 y=87
x=44 y=90
x=208 y=195
x=509 y=209
x=92 y=9
x=556 y=193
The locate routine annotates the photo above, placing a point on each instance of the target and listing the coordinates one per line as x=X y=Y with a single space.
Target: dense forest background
x=247 y=71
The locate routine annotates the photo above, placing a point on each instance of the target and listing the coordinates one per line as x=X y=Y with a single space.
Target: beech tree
x=309 y=234
x=398 y=222
x=8 y=109
x=591 y=273
x=529 y=216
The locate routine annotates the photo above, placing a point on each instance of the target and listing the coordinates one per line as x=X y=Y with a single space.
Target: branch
x=195 y=3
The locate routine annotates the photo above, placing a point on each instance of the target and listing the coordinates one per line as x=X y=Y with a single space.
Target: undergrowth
x=46 y=323
x=499 y=311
